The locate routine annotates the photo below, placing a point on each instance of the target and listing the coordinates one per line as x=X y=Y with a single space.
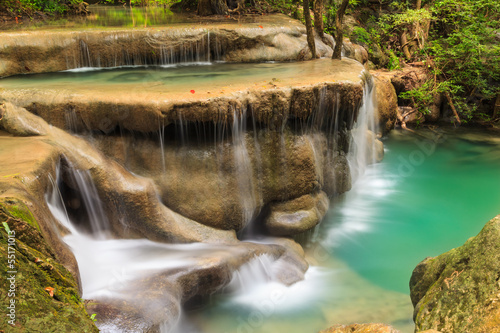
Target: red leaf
x=192 y=91
x=50 y=290
x=261 y=27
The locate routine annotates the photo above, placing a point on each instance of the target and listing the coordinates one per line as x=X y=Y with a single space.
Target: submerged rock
x=459 y=291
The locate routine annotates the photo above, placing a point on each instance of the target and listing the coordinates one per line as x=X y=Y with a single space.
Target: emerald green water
x=431 y=202
x=426 y=197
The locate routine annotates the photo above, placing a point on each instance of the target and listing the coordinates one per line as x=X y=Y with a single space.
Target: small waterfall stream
x=362 y=147
x=110 y=267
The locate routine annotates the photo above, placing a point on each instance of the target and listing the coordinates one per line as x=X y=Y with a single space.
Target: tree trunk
x=339 y=36
x=453 y=107
x=404 y=45
x=309 y=29
x=318 y=17
x=212 y=7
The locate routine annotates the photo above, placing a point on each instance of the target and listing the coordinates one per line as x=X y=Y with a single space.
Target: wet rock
x=225 y=185
x=361 y=328
x=28 y=125
x=298 y=215
x=459 y=291
x=387 y=103
x=334 y=85
x=280 y=39
x=135 y=211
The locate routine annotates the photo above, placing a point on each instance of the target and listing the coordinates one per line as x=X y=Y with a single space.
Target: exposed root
x=453 y=107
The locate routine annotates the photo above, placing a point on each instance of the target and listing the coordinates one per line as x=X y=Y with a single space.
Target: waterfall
x=362 y=146
x=79 y=200
x=56 y=205
x=243 y=167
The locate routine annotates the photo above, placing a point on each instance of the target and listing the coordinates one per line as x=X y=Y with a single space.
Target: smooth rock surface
x=297 y=215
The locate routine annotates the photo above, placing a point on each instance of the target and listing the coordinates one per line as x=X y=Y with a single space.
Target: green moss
x=36 y=310
x=19 y=210
x=456 y=291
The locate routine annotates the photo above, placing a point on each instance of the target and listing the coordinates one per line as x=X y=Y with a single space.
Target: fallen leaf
x=191 y=91
x=50 y=290
x=261 y=27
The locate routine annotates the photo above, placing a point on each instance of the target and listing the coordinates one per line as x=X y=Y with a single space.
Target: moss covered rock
x=42 y=294
x=459 y=291
x=361 y=328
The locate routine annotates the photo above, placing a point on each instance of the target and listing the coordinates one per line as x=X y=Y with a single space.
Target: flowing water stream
x=431 y=192
x=425 y=198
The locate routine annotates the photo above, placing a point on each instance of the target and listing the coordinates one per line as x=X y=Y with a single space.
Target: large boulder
x=459 y=291
x=387 y=103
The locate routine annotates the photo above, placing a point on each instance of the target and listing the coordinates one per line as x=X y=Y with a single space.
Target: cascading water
x=110 y=267
x=362 y=147
x=244 y=170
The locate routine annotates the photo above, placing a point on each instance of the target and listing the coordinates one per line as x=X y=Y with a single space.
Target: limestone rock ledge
x=459 y=291
x=28 y=161
x=296 y=91
x=273 y=38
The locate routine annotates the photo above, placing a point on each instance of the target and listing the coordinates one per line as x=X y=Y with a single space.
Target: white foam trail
x=254 y=286
x=94 y=69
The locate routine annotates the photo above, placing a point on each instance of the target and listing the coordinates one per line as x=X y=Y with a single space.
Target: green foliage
x=421 y=97
x=361 y=35
x=6 y=227
x=394 y=62
x=29 y=7
x=409 y=16
x=457 y=40
x=144 y=3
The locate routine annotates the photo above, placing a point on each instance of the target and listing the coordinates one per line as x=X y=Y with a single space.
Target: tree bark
x=448 y=97
x=318 y=17
x=309 y=29
x=404 y=45
x=212 y=7
x=339 y=36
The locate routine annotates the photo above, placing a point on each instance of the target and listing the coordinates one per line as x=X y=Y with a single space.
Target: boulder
x=387 y=103
x=459 y=291
x=298 y=215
